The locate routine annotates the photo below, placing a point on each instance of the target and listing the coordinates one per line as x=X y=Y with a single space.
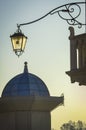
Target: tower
x=26 y=104
x=77 y=71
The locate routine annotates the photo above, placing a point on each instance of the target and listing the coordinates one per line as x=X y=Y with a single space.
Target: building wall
x=27 y=113
x=25 y=120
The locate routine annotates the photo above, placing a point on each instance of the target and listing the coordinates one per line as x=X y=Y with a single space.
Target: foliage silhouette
x=72 y=125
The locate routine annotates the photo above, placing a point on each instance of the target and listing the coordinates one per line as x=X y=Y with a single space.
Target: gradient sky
x=47 y=53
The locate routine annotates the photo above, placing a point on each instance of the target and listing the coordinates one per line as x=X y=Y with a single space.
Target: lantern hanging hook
x=18 y=28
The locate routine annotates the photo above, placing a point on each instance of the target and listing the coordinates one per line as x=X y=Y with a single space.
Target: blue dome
x=25 y=84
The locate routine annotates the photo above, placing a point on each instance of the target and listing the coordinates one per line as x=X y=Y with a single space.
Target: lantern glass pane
x=17 y=42
x=24 y=42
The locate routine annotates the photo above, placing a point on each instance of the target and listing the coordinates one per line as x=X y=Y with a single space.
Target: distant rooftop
x=25 y=84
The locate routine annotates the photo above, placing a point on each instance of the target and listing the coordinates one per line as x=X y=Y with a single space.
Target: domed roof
x=25 y=84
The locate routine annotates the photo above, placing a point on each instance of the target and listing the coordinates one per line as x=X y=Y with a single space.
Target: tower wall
x=25 y=120
x=27 y=113
x=26 y=104
x=77 y=71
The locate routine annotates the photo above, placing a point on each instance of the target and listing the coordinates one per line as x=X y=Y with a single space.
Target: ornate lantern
x=18 y=40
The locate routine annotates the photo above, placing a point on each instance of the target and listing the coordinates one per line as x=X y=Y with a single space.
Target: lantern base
x=18 y=53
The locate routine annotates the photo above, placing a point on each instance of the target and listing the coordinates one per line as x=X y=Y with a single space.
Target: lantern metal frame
x=69 y=9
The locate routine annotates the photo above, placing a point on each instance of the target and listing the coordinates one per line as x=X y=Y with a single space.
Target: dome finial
x=25 y=67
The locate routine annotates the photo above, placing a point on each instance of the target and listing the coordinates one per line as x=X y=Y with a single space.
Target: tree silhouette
x=72 y=125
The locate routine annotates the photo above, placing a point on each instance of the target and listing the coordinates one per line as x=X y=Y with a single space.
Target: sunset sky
x=47 y=53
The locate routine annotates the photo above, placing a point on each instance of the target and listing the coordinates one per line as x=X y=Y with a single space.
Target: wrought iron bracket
x=69 y=12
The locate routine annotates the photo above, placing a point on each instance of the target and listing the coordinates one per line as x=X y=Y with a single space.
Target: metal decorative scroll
x=69 y=12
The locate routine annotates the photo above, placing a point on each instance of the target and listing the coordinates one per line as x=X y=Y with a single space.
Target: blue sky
x=47 y=53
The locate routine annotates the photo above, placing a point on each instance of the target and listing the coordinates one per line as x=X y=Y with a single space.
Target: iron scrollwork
x=69 y=12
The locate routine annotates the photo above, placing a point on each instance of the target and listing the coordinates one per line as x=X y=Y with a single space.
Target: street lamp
x=19 y=39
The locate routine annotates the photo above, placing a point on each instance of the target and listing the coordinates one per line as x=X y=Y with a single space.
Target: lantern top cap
x=17 y=34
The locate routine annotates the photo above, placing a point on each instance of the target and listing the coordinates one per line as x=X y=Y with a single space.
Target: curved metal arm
x=68 y=9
